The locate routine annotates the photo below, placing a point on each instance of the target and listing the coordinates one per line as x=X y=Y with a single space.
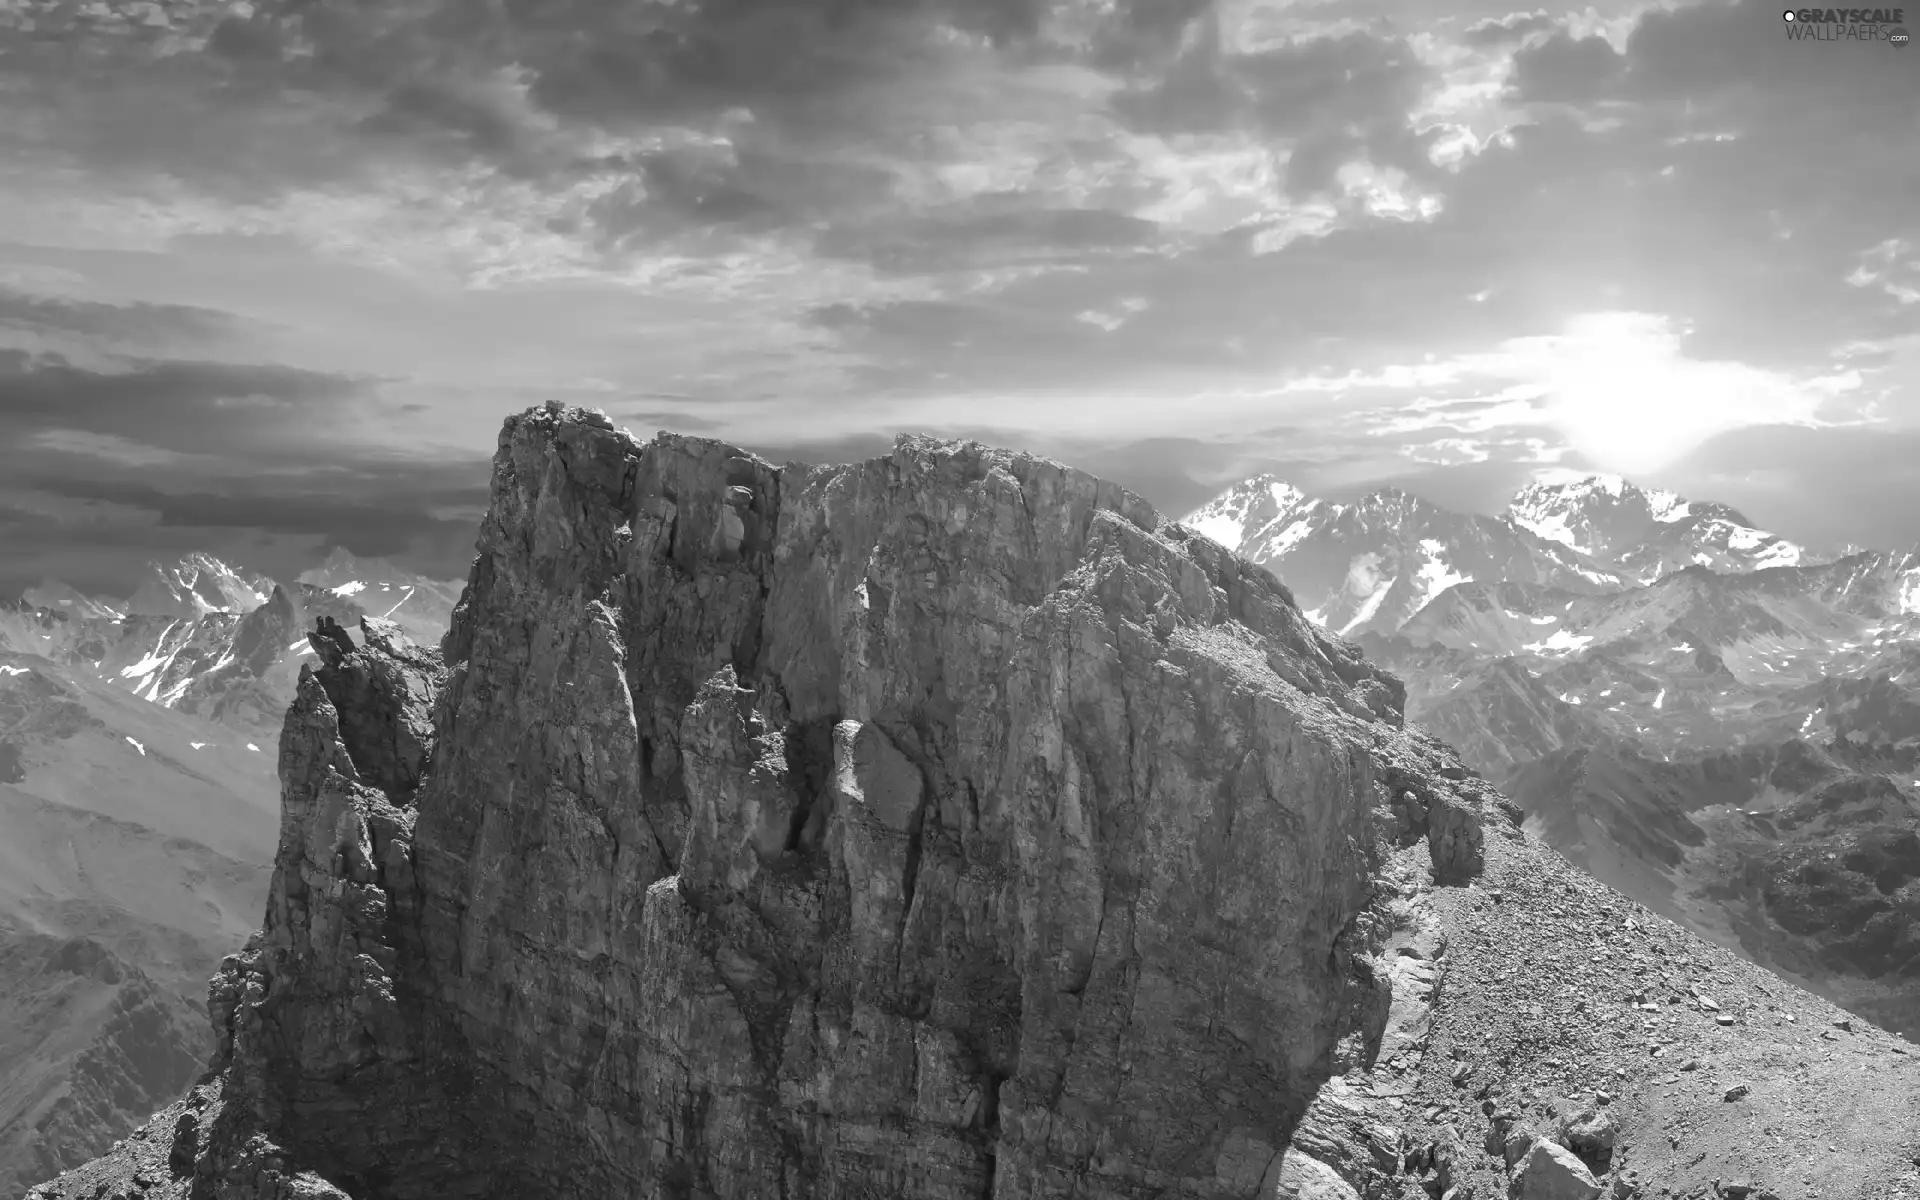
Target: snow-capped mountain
x=1694 y=660
x=1810 y=621
x=420 y=606
x=1646 y=533
x=216 y=641
x=1254 y=512
x=1371 y=564
x=195 y=586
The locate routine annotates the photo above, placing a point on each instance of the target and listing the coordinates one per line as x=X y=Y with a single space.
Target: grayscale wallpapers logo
x=1847 y=25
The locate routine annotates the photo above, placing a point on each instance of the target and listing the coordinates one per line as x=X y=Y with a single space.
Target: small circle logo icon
x=1787 y=15
x=1898 y=36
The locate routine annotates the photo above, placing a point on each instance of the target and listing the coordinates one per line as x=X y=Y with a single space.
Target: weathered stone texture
x=944 y=825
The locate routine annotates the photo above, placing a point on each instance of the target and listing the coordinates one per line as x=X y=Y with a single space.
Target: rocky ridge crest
x=945 y=825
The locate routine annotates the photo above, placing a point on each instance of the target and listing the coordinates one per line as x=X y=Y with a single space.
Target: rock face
x=949 y=824
x=945 y=825
x=1551 y=1172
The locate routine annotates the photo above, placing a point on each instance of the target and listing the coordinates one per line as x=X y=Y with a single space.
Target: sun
x=1620 y=387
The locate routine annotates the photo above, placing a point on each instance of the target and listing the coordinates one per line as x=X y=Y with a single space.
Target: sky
x=272 y=273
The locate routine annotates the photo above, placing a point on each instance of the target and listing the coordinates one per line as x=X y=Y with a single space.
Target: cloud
x=134 y=325
x=106 y=468
x=1566 y=69
x=196 y=406
x=94 y=509
x=1621 y=389
x=1822 y=487
x=1464 y=237
x=1512 y=28
x=1625 y=186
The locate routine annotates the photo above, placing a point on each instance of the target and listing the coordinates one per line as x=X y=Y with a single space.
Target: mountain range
x=139 y=741
x=1721 y=722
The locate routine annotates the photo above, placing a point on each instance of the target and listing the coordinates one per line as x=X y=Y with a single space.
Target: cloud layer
x=274 y=271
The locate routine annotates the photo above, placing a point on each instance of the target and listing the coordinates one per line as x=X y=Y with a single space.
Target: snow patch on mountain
x=1226 y=526
x=195 y=586
x=1666 y=507
x=1363 y=575
x=1435 y=575
x=1368 y=607
x=1296 y=530
x=1229 y=518
x=1741 y=539
x=1370 y=585
x=149 y=664
x=1551 y=526
x=406 y=595
x=1560 y=642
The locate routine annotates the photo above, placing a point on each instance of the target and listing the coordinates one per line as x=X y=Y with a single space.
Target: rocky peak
x=195 y=586
x=262 y=635
x=1264 y=502
x=877 y=819
x=1369 y=565
x=349 y=573
x=945 y=825
x=382 y=694
x=1647 y=532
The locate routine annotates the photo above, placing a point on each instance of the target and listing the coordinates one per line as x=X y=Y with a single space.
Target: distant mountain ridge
x=216 y=640
x=1647 y=533
x=1370 y=565
x=1373 y=563
x=139 y=738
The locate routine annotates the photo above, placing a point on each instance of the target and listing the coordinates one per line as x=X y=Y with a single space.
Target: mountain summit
x=195 y=586
x=1370 y=565
x=1254 y=511
x=945 y=825
x=1647 y=533
x=217 y=640
x=1373 y=563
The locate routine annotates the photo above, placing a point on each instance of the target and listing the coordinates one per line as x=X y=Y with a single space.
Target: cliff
x=945 y=825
